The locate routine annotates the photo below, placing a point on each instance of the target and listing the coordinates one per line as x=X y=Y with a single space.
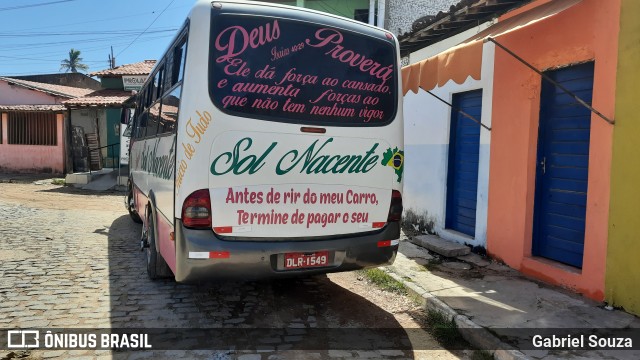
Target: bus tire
x=131 y=207
x=156 y=266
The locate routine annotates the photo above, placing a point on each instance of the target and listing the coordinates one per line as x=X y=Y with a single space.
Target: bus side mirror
x=127 y=131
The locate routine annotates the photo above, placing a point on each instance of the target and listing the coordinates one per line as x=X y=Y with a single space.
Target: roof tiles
x=55 y=107
x=139 y=68
x=56 y=90
x=105 y=98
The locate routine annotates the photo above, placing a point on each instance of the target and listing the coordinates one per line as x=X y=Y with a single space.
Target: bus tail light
x=196 y=210
x=395 y=209
x=387 y=243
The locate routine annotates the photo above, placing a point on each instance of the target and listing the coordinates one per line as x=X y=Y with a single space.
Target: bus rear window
x=300 y=72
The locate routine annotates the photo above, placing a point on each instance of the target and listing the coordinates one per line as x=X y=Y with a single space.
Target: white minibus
x=267 y=142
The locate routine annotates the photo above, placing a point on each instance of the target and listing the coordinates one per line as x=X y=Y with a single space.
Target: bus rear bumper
x=202 y=256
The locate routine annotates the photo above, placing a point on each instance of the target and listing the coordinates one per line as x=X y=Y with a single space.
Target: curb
x=479 y=337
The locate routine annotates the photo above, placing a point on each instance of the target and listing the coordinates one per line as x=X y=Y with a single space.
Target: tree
x=73 y=63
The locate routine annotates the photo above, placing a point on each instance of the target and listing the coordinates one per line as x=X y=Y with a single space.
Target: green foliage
x=384 y=281
x=481 y=355
x=443 y=329
x=73 y=63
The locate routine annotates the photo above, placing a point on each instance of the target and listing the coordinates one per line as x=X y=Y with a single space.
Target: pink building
x=33 y=126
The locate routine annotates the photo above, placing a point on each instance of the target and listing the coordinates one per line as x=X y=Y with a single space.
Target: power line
x=154 y=20
x=55 y=43
x=94 y=48
x=80 y=33
x=33 y=5
x=41 y=59
x=66 y=24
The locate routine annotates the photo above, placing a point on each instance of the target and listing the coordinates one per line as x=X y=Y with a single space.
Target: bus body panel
x=249 y=260
x=164 y=228
x=166 y=245
x=278 y=185
x=152 y=170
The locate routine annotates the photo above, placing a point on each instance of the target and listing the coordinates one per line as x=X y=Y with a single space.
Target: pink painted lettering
x=327 y=36
x=234 y=40
x=298 y=78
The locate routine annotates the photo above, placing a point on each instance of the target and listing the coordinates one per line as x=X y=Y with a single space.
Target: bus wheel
x=131 y=206
x=156 y=266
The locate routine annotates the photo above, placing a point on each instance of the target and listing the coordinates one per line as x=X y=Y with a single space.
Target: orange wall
x=32 y=158
x=583 y=32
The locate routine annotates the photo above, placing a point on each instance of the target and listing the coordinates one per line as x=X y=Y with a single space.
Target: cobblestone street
x=72 y=260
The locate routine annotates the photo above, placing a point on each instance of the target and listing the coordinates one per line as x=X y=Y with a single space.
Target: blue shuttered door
x=464 y=150
x=563 y=166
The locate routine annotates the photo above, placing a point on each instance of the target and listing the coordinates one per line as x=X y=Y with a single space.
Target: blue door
x=563 y=166
x=464 y=151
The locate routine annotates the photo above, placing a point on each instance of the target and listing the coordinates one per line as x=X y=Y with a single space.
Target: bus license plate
x=305 y=260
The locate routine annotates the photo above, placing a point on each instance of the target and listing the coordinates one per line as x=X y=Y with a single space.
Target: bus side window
x=135 y=131
x=147 y=96
x=142 y=100
x=179 y=55
x=141 y=126
x=153 y=119
x=170 y=106
x=157 y=85
x=168 y=72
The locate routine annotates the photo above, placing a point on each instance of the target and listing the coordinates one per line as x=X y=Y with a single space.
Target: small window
x=147 y=96
x=139 y=97
x=179 y=56
x=362 y=15
x=157 y=85
x=128 y=131
x=169 y=118
x=154 y=119
x=32 y=128
x=141 y=125
x=140 y=101
x=168 y=72
x=151 y=90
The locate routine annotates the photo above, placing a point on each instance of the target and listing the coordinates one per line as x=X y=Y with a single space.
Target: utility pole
x=112 y=60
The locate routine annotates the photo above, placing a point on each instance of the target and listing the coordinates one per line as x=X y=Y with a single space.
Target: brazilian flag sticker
x=395 y=159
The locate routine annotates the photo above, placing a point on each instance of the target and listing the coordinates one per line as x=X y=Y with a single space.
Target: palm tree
x=73 y=63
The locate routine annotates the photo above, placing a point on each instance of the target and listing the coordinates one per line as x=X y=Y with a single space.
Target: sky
x=36 y=35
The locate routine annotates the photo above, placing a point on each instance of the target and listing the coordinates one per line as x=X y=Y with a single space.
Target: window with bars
x=32 y=128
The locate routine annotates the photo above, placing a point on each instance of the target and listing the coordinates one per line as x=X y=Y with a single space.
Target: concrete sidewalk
x=498 y=309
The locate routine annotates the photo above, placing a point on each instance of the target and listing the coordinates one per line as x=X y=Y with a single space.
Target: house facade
x=32 y=139
x=403 y=15
x=397 y=16
x=446 y=187
x=33 y=126
x=544 y=170
x=446 y=191
x=550 y=157
x=352 y=9
x=99 y=115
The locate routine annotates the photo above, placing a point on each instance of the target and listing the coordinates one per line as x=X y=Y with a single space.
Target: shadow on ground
x=70 y=189
x=301 y=314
